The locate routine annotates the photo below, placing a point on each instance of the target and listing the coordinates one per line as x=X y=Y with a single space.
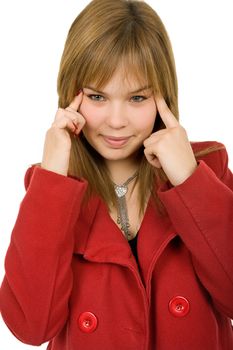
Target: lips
x=116 y=141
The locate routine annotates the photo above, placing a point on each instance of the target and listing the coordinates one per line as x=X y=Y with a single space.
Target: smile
x=116 y=142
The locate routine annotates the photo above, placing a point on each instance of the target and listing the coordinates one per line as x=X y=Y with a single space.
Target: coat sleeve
x=38 y=280
x=201 y=210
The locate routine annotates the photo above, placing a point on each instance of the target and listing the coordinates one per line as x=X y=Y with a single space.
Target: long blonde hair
x=106 y=34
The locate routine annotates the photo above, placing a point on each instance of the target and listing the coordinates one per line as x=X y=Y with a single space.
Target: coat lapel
x=99 y=239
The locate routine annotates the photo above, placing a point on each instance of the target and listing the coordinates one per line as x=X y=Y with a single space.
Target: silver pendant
x=121 y=191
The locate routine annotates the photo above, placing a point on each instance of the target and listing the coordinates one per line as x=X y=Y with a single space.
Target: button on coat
x=179 y=306
x=87 y=322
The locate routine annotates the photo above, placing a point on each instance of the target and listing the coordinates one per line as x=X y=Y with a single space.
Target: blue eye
x=96 y=97
x=138 y=98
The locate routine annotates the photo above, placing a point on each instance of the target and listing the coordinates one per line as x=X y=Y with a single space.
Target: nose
x=117 y=116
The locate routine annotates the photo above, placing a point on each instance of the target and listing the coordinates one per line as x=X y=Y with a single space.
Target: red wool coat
x=71 y=278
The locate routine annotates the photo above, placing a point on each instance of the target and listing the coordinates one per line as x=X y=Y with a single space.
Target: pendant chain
x=122 y=212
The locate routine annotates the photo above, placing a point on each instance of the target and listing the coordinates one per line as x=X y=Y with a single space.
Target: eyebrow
x=132 y=92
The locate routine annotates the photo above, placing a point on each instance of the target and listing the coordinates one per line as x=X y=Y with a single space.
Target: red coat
x=71 y=277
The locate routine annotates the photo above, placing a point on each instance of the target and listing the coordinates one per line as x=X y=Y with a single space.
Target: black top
x=133 y=245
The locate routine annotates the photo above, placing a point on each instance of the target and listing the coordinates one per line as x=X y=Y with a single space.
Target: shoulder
x=28 y=175
x=213 y=153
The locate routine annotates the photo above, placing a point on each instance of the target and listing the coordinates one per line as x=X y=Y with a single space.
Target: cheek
x=91 y=114
x=145 y=119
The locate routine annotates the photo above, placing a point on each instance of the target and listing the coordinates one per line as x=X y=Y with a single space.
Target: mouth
x=116 y=142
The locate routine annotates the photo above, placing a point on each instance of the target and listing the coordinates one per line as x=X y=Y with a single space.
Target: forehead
x=124 y=80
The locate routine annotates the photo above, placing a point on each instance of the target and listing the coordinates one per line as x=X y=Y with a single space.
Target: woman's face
x=118 y=118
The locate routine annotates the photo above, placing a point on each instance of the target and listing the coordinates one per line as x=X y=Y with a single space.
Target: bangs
x=103 y=60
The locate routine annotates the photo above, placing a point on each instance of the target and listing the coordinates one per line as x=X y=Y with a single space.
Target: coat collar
x=99 y=239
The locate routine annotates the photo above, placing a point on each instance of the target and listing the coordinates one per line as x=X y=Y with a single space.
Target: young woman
x=124 y=237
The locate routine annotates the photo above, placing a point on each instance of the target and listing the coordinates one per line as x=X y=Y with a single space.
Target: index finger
x=76 y=101
x=166 y=115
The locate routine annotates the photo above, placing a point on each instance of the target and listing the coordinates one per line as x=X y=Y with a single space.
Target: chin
x=119 y=154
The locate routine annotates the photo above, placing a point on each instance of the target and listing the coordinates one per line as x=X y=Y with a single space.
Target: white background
x=32 y=36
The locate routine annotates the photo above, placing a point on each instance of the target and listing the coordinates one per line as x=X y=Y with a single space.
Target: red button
x=87 y=322
x=179 y=306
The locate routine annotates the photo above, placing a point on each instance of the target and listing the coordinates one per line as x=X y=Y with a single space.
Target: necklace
x=122 y=212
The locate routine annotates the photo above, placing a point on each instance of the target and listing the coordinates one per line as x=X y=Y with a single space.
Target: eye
x=97 y=98
x=138 y=98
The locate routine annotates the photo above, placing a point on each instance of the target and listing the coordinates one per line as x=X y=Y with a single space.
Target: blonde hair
x=106 y=34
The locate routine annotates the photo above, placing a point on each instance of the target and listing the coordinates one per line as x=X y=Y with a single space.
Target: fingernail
x=80 y=90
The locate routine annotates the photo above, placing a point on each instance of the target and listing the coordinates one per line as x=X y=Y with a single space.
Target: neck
x=121 y=170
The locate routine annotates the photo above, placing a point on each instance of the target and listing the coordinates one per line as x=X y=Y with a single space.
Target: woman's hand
x=170 y=148
x=57 y=144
